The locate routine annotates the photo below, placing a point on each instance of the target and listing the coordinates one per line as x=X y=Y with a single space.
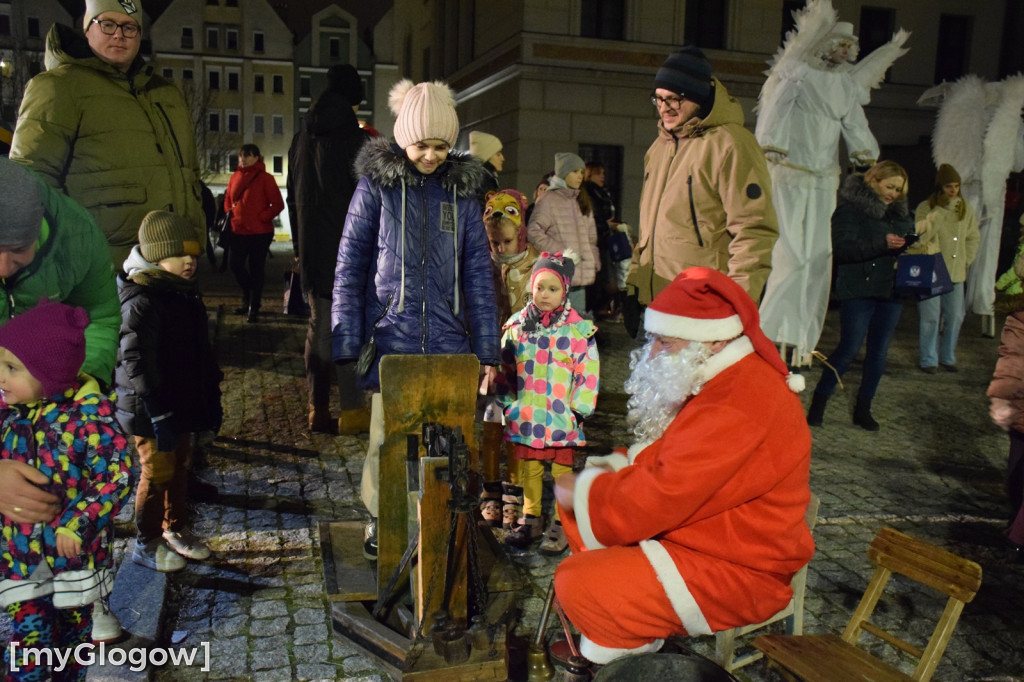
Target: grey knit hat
x=94 y=8
x=167 y=235
x=21 y=205
x=567 y=162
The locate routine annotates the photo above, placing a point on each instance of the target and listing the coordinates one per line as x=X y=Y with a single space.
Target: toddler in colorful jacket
x=548 y=385
x=58 y=421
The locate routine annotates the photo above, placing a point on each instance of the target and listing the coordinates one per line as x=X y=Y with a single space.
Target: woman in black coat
x=868 y=227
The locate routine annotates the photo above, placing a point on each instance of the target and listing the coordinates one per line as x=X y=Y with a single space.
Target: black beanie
x=344 y=80
x=686 y=72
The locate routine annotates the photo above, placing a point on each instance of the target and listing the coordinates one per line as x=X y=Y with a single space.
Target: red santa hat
x=702 y=304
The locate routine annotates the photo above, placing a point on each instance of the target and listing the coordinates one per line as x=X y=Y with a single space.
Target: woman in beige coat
x=946 y=224
x=563 y=220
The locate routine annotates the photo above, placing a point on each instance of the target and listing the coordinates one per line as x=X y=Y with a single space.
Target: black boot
x=862 y=415
x=816 y=412
x=244 y=308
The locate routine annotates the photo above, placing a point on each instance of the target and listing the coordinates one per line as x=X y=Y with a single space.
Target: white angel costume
x=979 y=132
x=806 y=104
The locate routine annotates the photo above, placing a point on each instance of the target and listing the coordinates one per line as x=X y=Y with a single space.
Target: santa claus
x=699 y=526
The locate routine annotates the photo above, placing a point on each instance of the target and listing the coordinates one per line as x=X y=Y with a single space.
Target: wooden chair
x=726 y=641
x=832 y=659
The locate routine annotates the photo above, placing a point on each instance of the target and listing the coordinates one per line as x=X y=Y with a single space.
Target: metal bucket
x=658 y=666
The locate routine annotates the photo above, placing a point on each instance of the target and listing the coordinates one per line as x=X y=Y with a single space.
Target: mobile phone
x=910 y=238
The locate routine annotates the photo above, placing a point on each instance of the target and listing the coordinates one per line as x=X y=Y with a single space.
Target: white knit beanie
x=94 y=8
x=483 y=145
x=425 y=111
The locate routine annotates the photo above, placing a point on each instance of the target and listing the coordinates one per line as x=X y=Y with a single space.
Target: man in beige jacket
x=706 y=197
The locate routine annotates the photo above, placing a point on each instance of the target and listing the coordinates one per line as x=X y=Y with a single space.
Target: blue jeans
x=859 y=317
x=948 y=307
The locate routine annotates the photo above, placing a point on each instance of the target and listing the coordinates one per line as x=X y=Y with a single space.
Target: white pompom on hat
x=702 y=304
x=423 y=111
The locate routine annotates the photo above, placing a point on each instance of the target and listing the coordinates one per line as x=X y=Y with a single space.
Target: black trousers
x=248 y=263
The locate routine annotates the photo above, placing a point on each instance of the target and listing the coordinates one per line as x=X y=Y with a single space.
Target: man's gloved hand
x=164 y=432
x=773 y=156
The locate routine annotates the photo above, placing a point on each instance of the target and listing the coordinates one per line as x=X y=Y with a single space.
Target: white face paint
x=660 y=385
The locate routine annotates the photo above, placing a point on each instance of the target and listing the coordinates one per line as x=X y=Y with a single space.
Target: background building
x=23 y=27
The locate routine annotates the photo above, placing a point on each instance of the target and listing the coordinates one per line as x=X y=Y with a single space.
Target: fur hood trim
x=385 y=163
x=860 y=195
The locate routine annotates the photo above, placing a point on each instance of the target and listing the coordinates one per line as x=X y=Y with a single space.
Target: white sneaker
x=157 y=555
x=185 y=543
x=105 y=626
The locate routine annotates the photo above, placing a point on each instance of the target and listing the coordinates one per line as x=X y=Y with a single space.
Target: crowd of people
x=409 y=246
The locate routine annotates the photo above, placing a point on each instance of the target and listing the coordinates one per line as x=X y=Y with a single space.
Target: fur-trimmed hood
x=387 y=165
x=857 y=192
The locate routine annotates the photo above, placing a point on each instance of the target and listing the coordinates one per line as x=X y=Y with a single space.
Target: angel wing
x=813 y=24
x=870 y=71
x=933 y=96
x=959 y=135
x=1001 y=138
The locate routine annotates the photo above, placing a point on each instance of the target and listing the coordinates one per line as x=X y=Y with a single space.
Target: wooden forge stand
x=430 y=545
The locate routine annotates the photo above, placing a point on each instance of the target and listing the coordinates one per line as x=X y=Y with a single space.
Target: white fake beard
x=660 y=386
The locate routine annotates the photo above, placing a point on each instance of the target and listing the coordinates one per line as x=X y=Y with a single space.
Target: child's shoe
x=490 y=505
x=554 y=542
x=185 y=543
x=157 y=555
x=529 y=529
x=511 y=505
x=105 y=626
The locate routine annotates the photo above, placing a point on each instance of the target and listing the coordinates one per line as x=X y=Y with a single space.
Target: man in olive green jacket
x=706 y=197
x=107 y=130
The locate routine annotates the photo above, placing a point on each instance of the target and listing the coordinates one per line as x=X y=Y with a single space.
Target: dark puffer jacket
x=321 y=182
x=423 y=277
x=166 y=363
x=865 y=265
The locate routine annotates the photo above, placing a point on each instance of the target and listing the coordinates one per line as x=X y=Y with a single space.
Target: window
x=876 y=27
x=234 y=121
x=5 y=20
x=334 y=47
x=230 y=161
x=231 y=3
x=186 y=37
x=705 y=23
x=257 y=41
x=212 y=37
x=277 y=122
x=304 y=87
x=212 y=2
x=257 y=82
x=233 y=80
x=213 y=121
x=278 y=84
x=33 y=27
x=186 y=74
x=231 y=39
x=168 y=74
x=278 y=164
x=257 y=124
x=603 y=19
x=213 y=79
x=953 y=46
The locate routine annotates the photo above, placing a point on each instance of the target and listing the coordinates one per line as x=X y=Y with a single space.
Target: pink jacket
x=557 y=224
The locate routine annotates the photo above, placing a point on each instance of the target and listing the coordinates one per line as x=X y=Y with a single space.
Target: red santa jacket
x=728 y=480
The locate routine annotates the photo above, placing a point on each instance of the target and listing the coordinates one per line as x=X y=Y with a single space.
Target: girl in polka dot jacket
x=548 y=385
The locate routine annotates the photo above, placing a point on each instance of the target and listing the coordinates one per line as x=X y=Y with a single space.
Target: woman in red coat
x=253 y=199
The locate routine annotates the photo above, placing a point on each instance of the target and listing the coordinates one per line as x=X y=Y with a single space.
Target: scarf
x=535 y=317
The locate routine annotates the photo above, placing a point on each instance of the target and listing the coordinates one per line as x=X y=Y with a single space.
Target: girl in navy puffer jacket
x=414 y=264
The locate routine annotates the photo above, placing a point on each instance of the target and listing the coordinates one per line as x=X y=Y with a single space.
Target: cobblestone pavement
x=935 y=470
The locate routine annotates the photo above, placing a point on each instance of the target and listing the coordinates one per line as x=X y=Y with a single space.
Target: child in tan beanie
x=414 y=266
x=168 y=384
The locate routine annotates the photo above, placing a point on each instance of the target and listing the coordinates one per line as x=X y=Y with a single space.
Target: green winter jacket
x=120 y=144
x=72 y=265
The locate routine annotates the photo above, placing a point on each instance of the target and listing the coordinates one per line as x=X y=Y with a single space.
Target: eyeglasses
x=671 y=102
x=128 y=29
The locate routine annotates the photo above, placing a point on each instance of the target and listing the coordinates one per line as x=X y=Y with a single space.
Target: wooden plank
x=417 y=389
x=826 y=658
x=348 y=576
x=926 y=563
x=353 y=621
x=435 y=523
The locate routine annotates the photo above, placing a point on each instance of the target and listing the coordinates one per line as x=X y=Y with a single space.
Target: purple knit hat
x=50 y=341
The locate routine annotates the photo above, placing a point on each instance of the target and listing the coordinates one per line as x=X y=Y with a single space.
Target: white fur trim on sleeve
x=613 y=460
x=581 y=506
x=636 y=448
x=602 y=655
x=675 y=588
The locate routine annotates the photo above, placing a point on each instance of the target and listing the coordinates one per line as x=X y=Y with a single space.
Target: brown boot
x=320 y=420
x=354 y=422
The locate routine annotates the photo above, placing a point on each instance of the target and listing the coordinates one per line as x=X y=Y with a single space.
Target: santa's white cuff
x=581 y=506
x=614 y=461
x=602 y=655
x=678 y=593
